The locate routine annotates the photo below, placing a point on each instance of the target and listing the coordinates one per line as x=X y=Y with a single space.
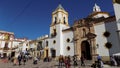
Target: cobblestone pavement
x=41 y=64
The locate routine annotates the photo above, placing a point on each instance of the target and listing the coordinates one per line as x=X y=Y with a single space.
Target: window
x=64 y=21
x=46 y=43
x=68 y=48
x=68 y=40
x=6 y=46
x=54 y=33
x=54 y=41
x=106 y=34
x=26 y=44
x=108 y=45
x=55 y=20
x=40 y=45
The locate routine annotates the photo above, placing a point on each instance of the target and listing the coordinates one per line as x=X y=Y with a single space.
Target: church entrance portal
x=85 y=50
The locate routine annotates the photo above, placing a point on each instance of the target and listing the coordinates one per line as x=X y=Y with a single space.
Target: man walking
x=19 y=59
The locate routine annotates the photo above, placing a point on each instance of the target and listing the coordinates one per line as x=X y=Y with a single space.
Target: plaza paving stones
x=41 y=64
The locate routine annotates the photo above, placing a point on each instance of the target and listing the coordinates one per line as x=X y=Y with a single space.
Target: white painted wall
x=9 y=45
x=67 y=35
x=24 y=46
x=61 y=44
x=117 y=10
x=101 y=15
x=114 y=37
x=101 y=40
x=117 y=14
x=2 y=44
x=15 y=43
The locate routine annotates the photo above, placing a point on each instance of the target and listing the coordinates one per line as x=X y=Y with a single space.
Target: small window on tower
x=54 y=31
x=64 y=21
x=55 y=20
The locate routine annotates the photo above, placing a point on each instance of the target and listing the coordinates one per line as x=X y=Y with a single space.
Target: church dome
x=97 y=13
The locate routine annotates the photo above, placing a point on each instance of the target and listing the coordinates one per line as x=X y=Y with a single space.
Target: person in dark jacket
x=24 y=59
x=19 y=59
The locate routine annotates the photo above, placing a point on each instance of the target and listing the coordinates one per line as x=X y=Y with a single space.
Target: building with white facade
x=96 y=34
x=116 y=6
x=9 y=45
x=60 y=40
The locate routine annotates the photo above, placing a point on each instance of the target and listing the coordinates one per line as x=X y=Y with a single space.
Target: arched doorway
x=85 y=50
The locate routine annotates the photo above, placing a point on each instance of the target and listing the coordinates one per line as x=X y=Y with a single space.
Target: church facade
x=96 y=34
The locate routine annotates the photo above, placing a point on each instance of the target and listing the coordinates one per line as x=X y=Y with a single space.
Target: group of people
x=66 y=61
x=115 y=60
x=99 y=63
x=21 y=58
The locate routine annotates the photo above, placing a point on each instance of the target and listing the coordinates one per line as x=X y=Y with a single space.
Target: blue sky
x=32 y=18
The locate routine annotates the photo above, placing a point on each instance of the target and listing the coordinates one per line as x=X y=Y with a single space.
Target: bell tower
x=59 y=16
x=58 y=24
x=59 y=21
